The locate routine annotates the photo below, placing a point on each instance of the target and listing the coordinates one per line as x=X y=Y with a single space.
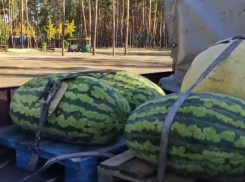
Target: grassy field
x=18 y=66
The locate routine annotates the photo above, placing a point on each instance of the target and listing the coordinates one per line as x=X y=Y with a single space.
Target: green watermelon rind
x=207 y=138
x=96 y=116
x=135 y=88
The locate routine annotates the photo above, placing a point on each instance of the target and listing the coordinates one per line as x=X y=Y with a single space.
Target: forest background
x=136 y=23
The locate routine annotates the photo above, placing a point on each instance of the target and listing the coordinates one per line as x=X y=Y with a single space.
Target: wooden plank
x=117 y=160
x=127 y=167
x=117 y=174
x=174 y=178
x=168 y=177
x=137 y=169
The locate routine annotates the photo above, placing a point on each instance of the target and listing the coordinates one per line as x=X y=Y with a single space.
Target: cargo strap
x=64 y=157
x=45 y=99
x=166 y=127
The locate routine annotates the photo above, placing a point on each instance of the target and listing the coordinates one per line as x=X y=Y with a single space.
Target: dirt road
x=18 y=66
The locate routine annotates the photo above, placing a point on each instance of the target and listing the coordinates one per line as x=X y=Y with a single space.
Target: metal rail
x=7 y=92
x=154 y=77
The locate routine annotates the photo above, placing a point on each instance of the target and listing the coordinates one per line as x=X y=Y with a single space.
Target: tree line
x=133 y=23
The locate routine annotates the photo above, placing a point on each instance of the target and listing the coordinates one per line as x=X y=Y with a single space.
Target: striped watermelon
x=207 y=137
x=90 y=112
x=135 y=88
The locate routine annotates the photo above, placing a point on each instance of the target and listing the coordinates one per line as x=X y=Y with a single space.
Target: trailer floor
x=11 y=173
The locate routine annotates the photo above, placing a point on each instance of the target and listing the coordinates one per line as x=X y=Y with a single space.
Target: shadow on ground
x=87 y=64
x=96 y=63
x=141 y=53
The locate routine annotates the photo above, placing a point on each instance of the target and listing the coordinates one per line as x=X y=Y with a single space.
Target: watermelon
x=207 y=137
x=90 y=112
x=135 y=88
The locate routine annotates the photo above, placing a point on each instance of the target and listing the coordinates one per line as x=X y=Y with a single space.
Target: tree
x=17 y=30
x=114 y=24
x=21 y=21
x=50 y=30
x=95 y=25
x=63 y=25
x=59 y=30
x=149 y=26
x=138 y=24
x=4 y=31
x=127 y=27
x=89 y=17
x=154 y=23
x=82 y=18
x=4 y=23
x=70 y=28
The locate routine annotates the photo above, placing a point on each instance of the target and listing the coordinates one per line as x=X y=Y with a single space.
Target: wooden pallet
x=76 y=170
x=127 y=167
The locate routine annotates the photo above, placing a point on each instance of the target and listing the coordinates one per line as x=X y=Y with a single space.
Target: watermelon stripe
x=207 y=137
x=205 y=114
x=90 y=112
x=135 y=88
x=121 y=86
x=152 y=145
x=87 y=126
x=74 y=136
x=181 y=153
x=123 y=77
x=202 y=158
x=220 y=99
x=105 y=97
x=185 y=126
x=104 y=108
x=71 y=123
x=77 y=112
x=195 y=109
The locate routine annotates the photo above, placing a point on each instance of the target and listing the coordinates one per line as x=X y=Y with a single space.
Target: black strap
x=45 y=99
x=162 y=158
x=63 y=157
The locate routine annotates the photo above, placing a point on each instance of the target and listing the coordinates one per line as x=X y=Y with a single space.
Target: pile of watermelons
x=93 y=110
x=207 y=137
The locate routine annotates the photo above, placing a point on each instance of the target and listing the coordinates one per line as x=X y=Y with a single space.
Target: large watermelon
x=135 y=88
x=207 y=137
x=90 y=112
